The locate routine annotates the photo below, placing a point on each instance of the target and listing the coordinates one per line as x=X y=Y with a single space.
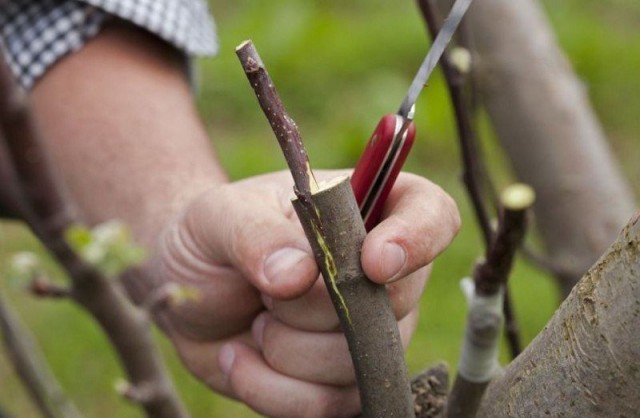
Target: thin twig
x=9 y=196
x=283 y=126
x=466 y=133
x=42 y=287
x=479 y=359
x=32 y=368
x=492 y=274
x=48 y=214
x=474 y=173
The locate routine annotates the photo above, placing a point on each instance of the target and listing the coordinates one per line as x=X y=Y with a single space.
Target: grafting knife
x=388 y=147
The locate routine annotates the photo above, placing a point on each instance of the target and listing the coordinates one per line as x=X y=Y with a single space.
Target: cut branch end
x=518 y=197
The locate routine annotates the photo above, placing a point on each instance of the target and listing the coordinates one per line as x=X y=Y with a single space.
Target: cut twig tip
x=518 y=196
x=244 y=44
x=251 y=61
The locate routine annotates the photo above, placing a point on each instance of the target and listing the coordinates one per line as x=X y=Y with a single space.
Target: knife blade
x=377 y=169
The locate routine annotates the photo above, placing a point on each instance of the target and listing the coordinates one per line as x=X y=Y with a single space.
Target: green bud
x=108 y=247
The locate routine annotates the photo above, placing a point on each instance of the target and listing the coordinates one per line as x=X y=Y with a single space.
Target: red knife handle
x=379 y=166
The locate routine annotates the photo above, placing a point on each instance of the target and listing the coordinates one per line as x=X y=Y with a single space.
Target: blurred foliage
x=108 y=247
x=339 y=66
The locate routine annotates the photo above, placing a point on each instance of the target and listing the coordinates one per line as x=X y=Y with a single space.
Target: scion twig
x=283 y=126
x=335 y=230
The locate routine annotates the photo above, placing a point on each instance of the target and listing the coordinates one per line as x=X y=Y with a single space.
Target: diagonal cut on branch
x=335 y=230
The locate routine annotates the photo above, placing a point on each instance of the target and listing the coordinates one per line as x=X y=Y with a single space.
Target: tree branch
x=585 y=361
x=49 y=215
x=42 y=287
x=9 y=197
x=530 y=102
x=473 y=171
x=32 y=368
x=474 y=174
x=479 y=358
x=335 y=230
x=283 y=126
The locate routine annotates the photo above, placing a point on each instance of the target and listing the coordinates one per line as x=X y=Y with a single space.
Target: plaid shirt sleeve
x=37 y=33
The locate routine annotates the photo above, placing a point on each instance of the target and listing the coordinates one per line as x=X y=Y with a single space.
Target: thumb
x=248 y=231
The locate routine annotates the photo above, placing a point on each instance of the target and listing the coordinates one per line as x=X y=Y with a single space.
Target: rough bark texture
x=543 y=118
x=586 y=361
x=430 y=391
x=363 y=307
x=465 y=398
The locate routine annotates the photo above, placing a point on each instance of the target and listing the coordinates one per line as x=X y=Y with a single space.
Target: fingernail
x=226 y=358
x=285 y=263
x=257 y=329
x=393 y=258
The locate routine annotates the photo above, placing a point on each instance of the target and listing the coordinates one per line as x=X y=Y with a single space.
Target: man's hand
x=264 y=330
x=130 y=145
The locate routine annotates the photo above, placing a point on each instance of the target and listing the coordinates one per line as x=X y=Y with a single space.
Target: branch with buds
x=93 y=273
x=456 y=67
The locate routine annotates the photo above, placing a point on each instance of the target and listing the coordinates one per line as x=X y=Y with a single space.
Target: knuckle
x=328 y=404
x=405 y=294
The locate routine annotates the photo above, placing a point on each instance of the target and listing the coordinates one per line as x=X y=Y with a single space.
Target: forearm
x=120 y=122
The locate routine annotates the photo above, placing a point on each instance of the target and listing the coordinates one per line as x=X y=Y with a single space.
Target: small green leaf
x=108 y=247
x=78 y=237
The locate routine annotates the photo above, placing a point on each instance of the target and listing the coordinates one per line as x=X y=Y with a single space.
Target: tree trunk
x=586 y=361
x=542 y=116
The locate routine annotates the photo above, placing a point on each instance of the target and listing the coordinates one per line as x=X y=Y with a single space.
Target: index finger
x=420 y=221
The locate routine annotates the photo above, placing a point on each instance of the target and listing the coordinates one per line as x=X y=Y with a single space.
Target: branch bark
x=430 y=390
x=333 y=225
x=585 y=361
x=363 y=307
x=479 y=358
x=49 y=215
x=9 y=196
x=542 y=116
x=32 y=368
x=474 y=174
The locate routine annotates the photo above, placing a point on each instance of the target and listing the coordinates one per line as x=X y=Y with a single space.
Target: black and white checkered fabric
x=36 y=33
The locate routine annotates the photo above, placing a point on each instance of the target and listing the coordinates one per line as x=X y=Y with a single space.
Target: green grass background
x=339 y=66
